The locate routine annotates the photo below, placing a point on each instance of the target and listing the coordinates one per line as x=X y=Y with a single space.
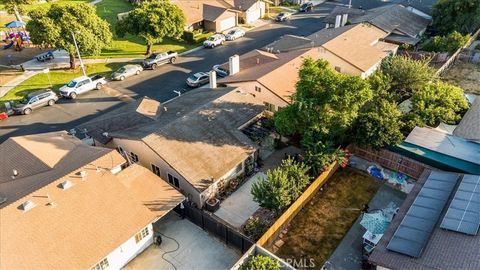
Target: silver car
x=234 y=34
x=198 y=79
x=126 y=71
x=36 y=100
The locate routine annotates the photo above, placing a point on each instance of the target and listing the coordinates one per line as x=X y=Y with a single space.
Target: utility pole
x=78 y=52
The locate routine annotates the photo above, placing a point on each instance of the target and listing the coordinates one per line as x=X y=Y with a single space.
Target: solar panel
x=416 y=227
x=463 y=214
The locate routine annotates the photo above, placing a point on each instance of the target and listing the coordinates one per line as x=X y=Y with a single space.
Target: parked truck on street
x=156 y=59
x=82 y=85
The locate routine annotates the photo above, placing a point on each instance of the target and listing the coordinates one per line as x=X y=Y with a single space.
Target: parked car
x=156 y=59
x=283 y=16
x=234 y=34
x=36 y=100
x=45 y=56
x=221 y=72
x=306 y=7
x=126 y=71
x=198 y=79
x=214 y=41
x=82 y=85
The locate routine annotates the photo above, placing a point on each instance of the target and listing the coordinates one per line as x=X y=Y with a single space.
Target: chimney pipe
x=344 y=19
x=213 y=79
x=338 y=20
x=234 y=64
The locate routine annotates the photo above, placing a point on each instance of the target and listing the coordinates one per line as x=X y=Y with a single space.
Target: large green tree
x=456 y=15
x=56 y=26
x=325 y=103
x=152 y=21
x=379 y=124
x=16 y=7
x=319 y=155
x=407 y=75
x=437 y=102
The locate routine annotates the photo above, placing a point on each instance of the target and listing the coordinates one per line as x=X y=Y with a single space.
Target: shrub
x=449 y=43
x=255 y=228
x=196 y=36
x=319 y=155
x=260 y=262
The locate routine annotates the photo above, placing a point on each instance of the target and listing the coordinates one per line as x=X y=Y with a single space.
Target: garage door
x=227 y=23
x=253 y=15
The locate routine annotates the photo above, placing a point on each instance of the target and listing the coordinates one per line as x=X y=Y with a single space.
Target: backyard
x=57 y=79
x=319 y=227
x=466 y=75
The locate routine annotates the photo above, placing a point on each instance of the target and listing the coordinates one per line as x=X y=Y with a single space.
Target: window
x=103 y=264
x=155 y=169
x=142 y=234
x=270 y=107
x=258 y=89
x=338 y=69
x=238 y=168
x=133 y=157
x=173 y=180
x=120 y=150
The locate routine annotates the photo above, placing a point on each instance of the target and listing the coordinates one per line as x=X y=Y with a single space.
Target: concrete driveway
x=188 y=248
x=239 y=206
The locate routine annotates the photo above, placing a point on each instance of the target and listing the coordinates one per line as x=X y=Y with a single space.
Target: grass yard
x=319 y=228
x=58 y=78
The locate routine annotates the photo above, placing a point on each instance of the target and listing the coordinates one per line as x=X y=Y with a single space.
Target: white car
x=283 y=16
x=234 y=34
x=82 y=85
x=126 y=71
x=214 y=41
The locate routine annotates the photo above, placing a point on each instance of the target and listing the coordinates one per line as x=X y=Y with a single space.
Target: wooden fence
x=390 y=160
x=272 y=233
x=454 y=56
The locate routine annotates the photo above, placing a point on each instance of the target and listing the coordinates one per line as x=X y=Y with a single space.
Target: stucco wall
x=146 y=157
x=129 y=250
x=336 y=61
x=264 y=95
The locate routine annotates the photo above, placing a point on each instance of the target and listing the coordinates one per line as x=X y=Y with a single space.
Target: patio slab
x=239 y=206
x=348 y=255
x=192 y=248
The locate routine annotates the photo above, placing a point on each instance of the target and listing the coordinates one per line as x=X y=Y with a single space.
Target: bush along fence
x=455 y=56
x=272 y=233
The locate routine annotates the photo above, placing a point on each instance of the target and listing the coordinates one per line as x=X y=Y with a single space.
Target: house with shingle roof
x=469 y=126
x=67 y=205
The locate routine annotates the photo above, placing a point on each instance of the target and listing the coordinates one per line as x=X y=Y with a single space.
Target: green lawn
x=319 y=228
x=58 y=78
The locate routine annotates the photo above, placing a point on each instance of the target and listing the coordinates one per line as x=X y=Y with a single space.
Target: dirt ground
x=464 y=75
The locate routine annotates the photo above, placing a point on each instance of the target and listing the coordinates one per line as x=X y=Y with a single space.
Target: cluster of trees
x=331 y=110
x=456 y=15
x=56 y=26
x=282 y=186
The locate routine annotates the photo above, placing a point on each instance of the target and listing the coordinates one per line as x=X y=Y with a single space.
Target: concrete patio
x=239 y=206
x=192 y=248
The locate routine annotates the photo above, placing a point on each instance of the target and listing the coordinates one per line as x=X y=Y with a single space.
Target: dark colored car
x=221 y=72
x=306 y=7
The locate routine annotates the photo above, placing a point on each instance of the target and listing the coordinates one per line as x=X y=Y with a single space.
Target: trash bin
x=3 y=116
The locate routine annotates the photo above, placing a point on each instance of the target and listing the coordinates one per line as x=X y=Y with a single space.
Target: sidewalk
x=11 y=84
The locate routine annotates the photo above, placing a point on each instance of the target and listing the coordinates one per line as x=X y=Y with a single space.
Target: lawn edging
x=272 y=233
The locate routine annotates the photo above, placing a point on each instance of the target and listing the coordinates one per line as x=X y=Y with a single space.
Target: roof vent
x=66 y=184
x=51 y=204
x=105 y=134
x=83 y=174
x=27 y=206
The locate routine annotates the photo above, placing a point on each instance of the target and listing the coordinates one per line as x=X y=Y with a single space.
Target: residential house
x=195 y=142
x=402 y=25
x=436 y=226
x=469 y=126
x=272 y=72
x=220 y=15
x=441 y=150
x=67 y=205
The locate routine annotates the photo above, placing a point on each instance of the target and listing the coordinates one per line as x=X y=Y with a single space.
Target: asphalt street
x=161 y=83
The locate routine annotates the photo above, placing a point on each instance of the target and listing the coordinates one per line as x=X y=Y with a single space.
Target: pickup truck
x=82 y=85
x=156 y=59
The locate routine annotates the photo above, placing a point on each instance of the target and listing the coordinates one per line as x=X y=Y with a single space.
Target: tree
x=407 y=75
x=152 y=21
x=260 y=262
x=449 y=43
x=319 y=155
x=15 y=7
x=456 y=15
x=437 y=102
x=282 y=186
x=325 y=104
x=56 y=25
x=378 y=125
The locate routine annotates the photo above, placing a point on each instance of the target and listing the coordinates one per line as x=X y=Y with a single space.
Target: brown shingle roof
x=87 y=222
x=195 y=11
x=444 y=250
x=469 y=127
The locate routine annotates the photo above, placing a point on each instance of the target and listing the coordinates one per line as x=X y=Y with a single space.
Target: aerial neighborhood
x=240 y=134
